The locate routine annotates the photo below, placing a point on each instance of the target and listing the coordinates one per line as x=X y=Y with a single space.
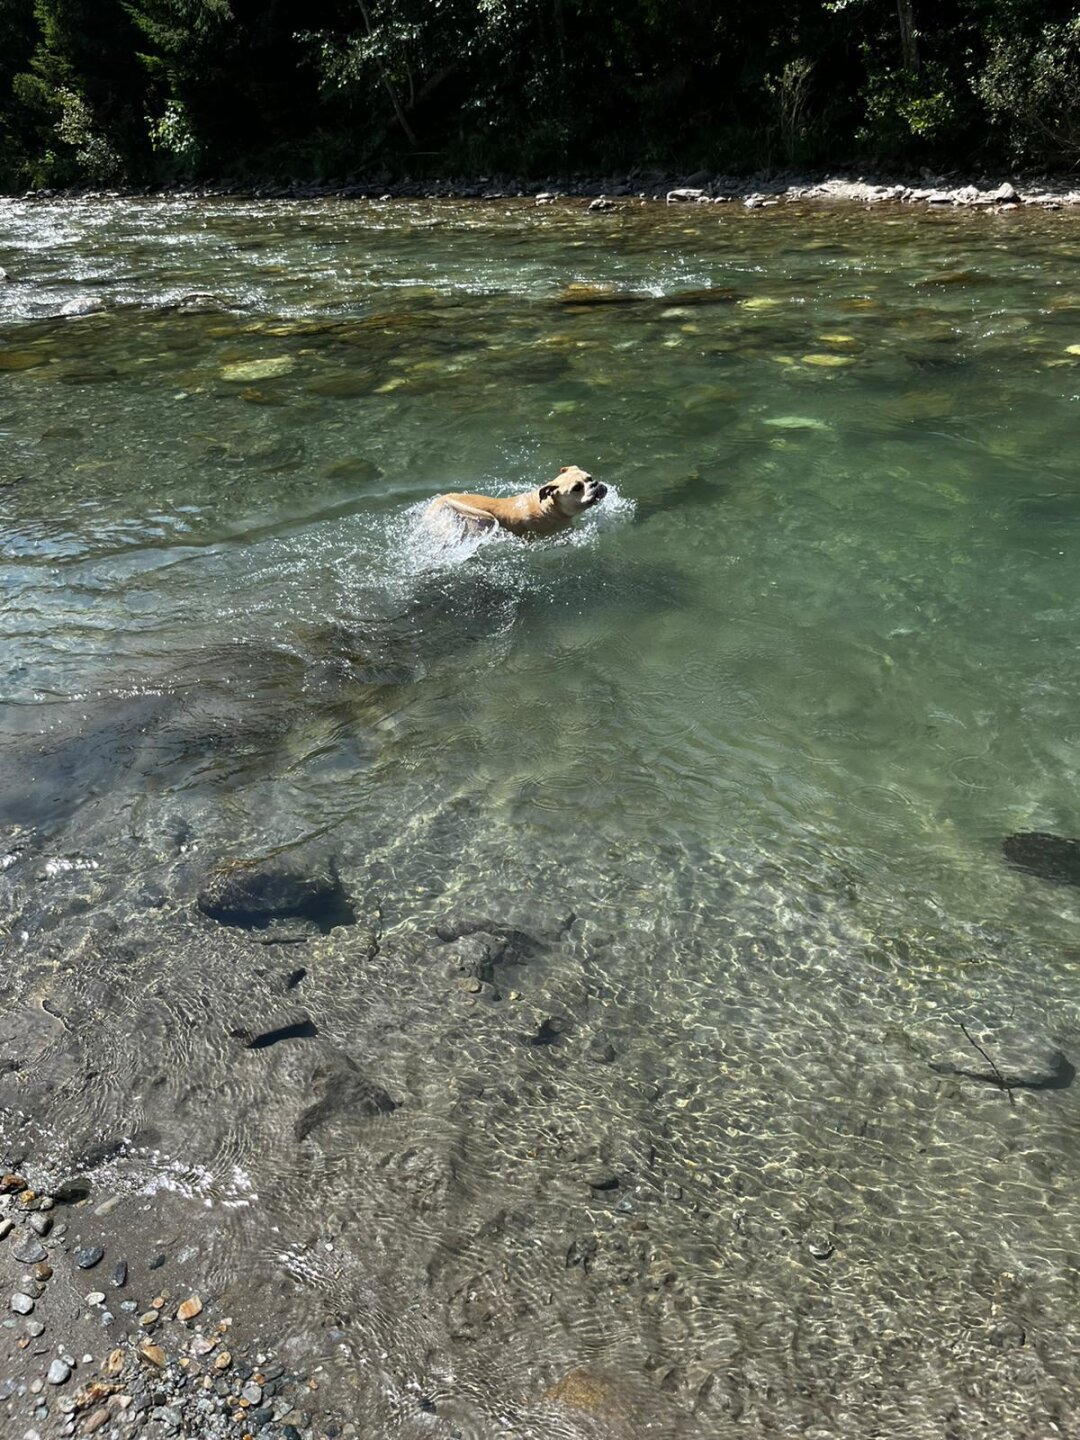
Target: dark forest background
x=155 y=91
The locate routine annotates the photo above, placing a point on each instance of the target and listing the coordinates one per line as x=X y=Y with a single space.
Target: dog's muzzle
x=597 y=493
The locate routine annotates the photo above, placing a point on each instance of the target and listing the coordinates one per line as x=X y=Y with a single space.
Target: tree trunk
x=909 y=45
x=390 y=90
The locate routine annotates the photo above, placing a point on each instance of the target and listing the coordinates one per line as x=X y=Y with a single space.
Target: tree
x=83 y=90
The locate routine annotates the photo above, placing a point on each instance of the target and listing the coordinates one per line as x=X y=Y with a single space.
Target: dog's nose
x=599 y=490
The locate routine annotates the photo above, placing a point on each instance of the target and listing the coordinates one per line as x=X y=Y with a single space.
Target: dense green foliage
x=146 y=91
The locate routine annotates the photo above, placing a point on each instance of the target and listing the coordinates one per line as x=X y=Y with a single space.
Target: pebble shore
x=609 y=193
x=165 y=1364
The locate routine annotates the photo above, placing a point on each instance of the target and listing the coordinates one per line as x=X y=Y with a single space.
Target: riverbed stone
x=268 y=369
x=251 y=894
x=83 y=305
x=344 y=1093
x=1051 y=857
x=202 y=302
x=71 y=1190
x=29 y=1251
x=59 y=1372
x=87 y=1256
x=581 y=1390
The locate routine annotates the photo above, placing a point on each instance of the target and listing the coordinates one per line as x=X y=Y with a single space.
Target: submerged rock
x=1016 y=1059
x=23 y=359
x=582 y=296
x=1051 y=857
x=707 y=295
x=267 y=369
x=251 y=894
x=201 y=302
x=581 y=1390
x=345 y=1094
x=83 y=305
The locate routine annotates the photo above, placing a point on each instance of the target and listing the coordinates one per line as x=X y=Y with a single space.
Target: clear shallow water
x=761 y=723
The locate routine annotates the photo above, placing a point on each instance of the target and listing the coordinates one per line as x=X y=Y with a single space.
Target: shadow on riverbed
x=215 y=719
x=220 y=719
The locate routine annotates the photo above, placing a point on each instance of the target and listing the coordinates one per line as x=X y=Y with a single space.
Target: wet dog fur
x=535 y=514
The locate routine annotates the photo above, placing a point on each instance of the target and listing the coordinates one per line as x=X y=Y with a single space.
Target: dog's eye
x=580 y=485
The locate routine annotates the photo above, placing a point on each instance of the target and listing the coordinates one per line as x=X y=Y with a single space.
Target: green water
x=764 y=719
x=840 y=622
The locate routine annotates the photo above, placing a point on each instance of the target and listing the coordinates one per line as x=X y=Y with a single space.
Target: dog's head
x=572 y=491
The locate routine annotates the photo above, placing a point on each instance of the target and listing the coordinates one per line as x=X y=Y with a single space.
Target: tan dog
x=536 y=513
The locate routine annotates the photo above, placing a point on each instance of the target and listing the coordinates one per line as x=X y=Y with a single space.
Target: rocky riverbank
x=609 y=192
x=104 y=1337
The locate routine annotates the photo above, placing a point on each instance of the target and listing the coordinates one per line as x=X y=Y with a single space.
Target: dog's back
x=540 y=512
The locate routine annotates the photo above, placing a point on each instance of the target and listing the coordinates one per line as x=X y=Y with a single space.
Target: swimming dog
x=537 y=513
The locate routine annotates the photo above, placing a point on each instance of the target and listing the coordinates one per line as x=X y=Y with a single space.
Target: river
x=706 y=798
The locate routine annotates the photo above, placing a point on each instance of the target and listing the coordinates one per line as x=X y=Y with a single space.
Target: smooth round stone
x=30 y=1252
x=89 y=1256
x=96 y=1297
x=83 y=305
x=58 y=1372
x=22 y=1304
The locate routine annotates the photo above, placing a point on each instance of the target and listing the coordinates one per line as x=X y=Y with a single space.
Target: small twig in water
x=998 y=1076
x=375 y=947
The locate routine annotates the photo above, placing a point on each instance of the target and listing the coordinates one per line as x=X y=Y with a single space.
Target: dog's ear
x=547 y=491
x=563 y=469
